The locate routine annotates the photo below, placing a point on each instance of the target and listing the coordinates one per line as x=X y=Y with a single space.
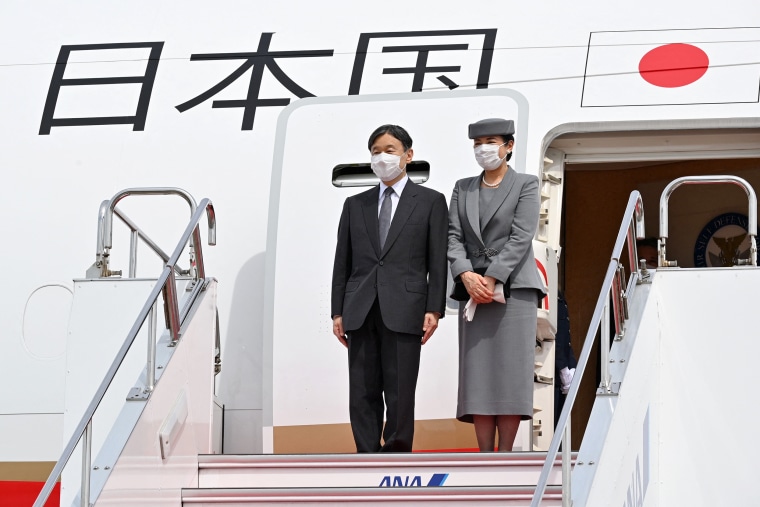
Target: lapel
x=371 y=199
x=406 y=203
x=472 y=206
x=501 y=194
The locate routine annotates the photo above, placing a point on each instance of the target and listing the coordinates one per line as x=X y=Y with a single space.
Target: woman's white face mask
x=386 y=166
x=487 y=156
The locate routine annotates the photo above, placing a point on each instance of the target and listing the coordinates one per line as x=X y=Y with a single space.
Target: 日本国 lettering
x=262 y=58
x=456 y=42
x=60 y=81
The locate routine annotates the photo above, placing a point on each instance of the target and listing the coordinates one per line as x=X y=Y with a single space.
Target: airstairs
x=673 y=388
x=376 y=479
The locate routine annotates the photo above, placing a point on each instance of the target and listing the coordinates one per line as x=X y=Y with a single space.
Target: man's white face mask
x=487 y=156
x=386 y=166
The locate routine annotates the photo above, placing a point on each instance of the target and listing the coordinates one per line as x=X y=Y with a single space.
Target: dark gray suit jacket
x=509 y=224
x=408 y=277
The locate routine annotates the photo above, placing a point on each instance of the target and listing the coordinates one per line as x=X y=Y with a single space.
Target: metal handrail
x=105 y=229
x=707 y=180
x=136 y=230
x=632 y=224
x=167 y=279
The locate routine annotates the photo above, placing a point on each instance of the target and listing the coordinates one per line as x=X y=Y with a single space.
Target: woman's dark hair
x=394 y=130
x=506 y=139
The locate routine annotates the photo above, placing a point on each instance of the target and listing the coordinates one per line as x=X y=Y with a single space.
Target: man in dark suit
x=388 y=291
x=564 y=359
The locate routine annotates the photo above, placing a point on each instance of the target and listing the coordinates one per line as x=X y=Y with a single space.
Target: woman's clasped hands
x=480 y=288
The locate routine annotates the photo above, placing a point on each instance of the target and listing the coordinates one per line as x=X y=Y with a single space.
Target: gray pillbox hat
x=491 y=127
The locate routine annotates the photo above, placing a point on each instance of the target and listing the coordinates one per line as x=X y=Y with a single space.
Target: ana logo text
x=412 y=481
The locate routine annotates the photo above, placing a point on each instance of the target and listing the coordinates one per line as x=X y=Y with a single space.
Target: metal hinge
x=613 y=391
x=138 y=394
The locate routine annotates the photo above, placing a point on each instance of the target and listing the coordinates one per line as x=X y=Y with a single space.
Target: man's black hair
x=394 y=130
x=646 y=242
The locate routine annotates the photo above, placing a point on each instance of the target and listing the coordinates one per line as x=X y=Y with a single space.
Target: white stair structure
x=675 y=378
x=674 y=385
x=145 y=433
x=671 y=433
x=373 y=470
x=372 y=479
x=495 y=495
x=668 y=424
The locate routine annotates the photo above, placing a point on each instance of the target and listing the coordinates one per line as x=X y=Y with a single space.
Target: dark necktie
x=384 y=219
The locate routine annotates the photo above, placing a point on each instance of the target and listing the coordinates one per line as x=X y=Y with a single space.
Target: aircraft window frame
x=361 y=175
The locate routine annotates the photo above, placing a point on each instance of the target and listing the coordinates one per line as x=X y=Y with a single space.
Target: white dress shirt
x=398 y=187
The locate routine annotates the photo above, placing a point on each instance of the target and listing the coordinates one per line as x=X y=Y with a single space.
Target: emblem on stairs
x=722 y=242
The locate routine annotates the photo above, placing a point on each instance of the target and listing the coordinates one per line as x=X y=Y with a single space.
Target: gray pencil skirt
x=496 y=356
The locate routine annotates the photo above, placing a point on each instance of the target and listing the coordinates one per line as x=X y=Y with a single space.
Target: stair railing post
x=151 y=366
x=86 y=465
x=133 y=239
x=566 y=470
x=605 y=385
x=172 y=307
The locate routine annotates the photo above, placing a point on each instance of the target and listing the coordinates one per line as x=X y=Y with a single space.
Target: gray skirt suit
x=494 y=229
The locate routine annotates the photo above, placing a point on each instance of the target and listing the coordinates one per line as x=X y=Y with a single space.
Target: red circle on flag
x=673 y=65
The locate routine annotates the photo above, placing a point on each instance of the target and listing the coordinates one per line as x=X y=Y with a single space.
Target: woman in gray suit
x=492 y=220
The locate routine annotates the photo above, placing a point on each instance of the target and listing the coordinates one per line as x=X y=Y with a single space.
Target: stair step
x=454 y=496
x=373 y=470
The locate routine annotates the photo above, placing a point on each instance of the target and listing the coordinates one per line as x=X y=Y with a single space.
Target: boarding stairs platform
x=372 y=479
x=670 y=341
x=147 y=434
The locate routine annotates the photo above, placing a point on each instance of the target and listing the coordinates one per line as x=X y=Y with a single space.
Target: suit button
x=381 y=263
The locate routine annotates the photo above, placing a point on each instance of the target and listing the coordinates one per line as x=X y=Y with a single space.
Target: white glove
x=566 y=376
x=498 y=297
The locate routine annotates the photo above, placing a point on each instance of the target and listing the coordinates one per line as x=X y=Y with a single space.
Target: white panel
x=31 y=437
x=37 y=357
x=173 y=425
x=242 y=431
x=675 y=435
x=217 y=444
x=102 y=314
x=619 y=452
x=708 y=345
x=140 y=472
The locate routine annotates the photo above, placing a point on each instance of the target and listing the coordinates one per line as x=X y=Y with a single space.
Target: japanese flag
x=661 y=67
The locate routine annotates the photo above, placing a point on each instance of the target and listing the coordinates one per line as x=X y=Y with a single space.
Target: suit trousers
x=382 y=363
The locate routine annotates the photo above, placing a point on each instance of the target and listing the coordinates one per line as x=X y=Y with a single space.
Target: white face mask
x=386 y=166
x=487 y=156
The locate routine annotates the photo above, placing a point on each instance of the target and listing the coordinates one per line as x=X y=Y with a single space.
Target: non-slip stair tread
x=375 y=494
x=373 y=460
x=450 y=470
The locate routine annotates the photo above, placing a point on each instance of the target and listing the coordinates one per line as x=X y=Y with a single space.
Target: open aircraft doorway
x=306 y=369
x=600 y=170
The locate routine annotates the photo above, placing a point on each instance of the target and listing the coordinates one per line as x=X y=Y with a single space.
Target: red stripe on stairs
x=21 y=494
